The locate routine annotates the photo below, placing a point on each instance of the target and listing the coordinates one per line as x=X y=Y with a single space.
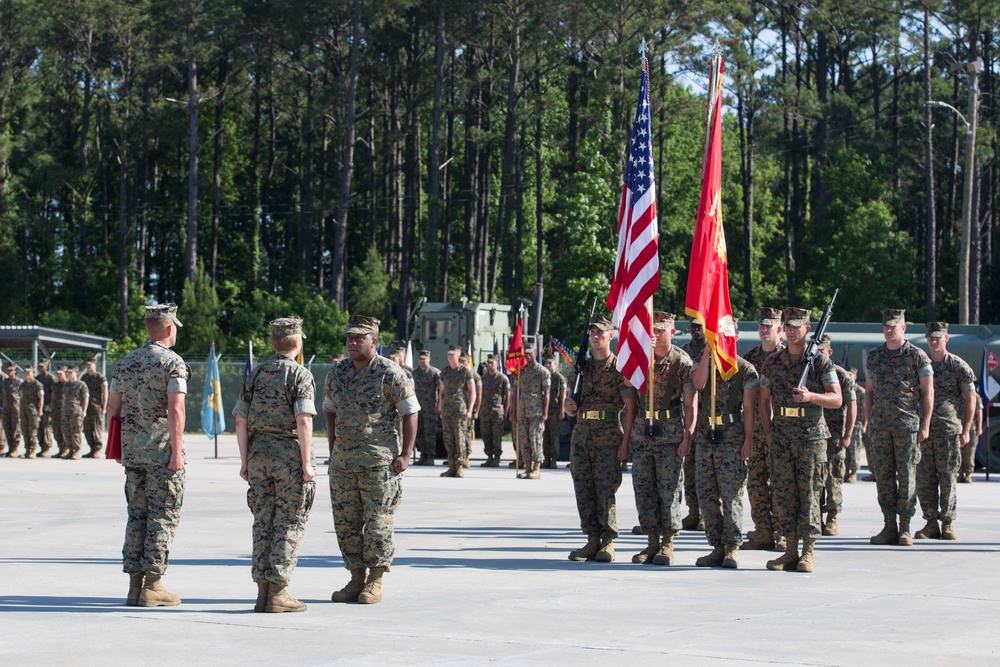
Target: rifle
x=812 y=348
x=581 y=353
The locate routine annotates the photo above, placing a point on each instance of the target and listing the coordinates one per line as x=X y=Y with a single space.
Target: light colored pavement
x=480 y=577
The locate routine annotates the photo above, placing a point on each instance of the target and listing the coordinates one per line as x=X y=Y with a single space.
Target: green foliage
x=369 y=293
x=199 y=313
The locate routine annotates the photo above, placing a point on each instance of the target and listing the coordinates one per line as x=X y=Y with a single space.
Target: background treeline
x=254 y=158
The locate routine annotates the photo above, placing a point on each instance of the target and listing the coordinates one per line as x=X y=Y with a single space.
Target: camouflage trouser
x=93 y=430
x=894 y=456
x=45 y=431
x=426 y=442
x=280 y=502
x=454 y=441
x=491 y=427
x=690 y=480
x=12 y=428
x=530 y=430
x=833 y=476
x=154 y=497
x=550 y=437
x=656 y=481
x=721 y=475
x=936 y=475
x=851 y=465
x=29 y=427
x=468 y=435
x=968 y=464
x=57 y=431
x=597 y=474
x=762 y=509
x=797 y=480
x=72 y=431
x=364 y=504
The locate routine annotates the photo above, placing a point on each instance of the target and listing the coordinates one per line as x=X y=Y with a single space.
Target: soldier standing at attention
x=851 y=456
x=45 y=422
x=840 y=421
x=93 y=422
x=767 y=529
x=75 y=400
x=555 y=414
x=496 y=402
x=458 y=400
x=58 y=388
x=530 y=392
x=367 y=399
x=693 y=521
x=32 y=403
x=147 y=392
x=794 y=423
x=469 y=434
x=720 y=463
x=12 y=411
x=656 y=461
x=899 y=401
x=941 y=453
x=274 y=428
x=600 y=443
x=427 y=385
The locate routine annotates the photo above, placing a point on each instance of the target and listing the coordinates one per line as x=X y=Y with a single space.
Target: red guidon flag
x=708 y=273
x=515 y=354
x=637 y=266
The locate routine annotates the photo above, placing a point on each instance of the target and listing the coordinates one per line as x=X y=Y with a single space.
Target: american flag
x=637 y=267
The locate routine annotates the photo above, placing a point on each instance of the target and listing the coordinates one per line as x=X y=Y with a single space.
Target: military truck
x=436 y=325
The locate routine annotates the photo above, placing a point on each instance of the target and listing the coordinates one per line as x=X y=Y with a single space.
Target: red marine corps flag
x=515 y=354
x=708 y=273
x=637 y=267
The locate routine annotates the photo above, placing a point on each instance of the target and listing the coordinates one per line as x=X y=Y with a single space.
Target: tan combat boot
x=929 y=532
x=279 y=601
x=905 y=539
x=713 y=559
x=731 y=559
x=535 y=472
x=153 y=594
x=372 y=594
x=263 y=592
x=780 y=543
x=948 y=531
x=652 y=547
x=691 y=521
x=588 y=551
x=606 y=554
x=528 y=467
x=665 y=556
x=450 y=472
x=762 y=540
x=74 y=454
x=830 y=528
x=134 y=588
x=808 y=553
x=790 y=559
x=889 y=533
x=460 y=468
x=352 y=590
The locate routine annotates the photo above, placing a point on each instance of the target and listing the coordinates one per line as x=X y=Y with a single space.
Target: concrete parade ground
x=481 y=576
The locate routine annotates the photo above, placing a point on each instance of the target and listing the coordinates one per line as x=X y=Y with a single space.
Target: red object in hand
x=114 y=449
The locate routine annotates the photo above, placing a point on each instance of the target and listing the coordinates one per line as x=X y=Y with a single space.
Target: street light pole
x=972 y=71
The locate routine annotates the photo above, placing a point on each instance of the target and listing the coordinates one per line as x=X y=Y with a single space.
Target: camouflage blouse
x=895 y=377
x=273 y=395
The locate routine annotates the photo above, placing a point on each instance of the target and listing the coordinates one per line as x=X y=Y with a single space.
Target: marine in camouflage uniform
x=93 y=421
x=469 y=434
x=458 y=396
x=763 y=510
x=794 y=421
x=693 y=521
x=899 y=401
x=75 y=401
x=851 y=465
x=11 y=412
x=57 y=412
x=530 y=393
x=940 y=454
x=656 y=464
x=555 y=413
x=840 y=422
x=496 y=401
x=427 y=385
x=274 y=431
x=600 y=443
x=48 y=381
x=968 y=463
x=32 y=404
x=147 y=392
x=367 y=399
x=721 y=454
x=3 y=436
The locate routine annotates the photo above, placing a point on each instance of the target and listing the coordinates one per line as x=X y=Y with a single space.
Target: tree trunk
x=220 y=104
x=433 y=161
x=931 y=231
x=191 y=252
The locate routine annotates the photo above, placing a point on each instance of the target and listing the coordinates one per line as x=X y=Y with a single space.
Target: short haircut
x=284 y=343
x=158 y=326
